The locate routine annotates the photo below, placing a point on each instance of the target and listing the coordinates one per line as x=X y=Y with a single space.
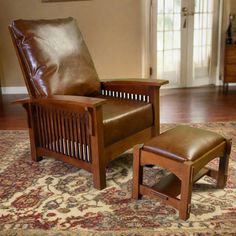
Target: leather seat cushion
x=56 y=58
x=122 y=118
x=183 y=143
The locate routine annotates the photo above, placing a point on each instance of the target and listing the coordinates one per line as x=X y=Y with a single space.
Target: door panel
x=183 y=38
x=202 y=43
x=169 y=40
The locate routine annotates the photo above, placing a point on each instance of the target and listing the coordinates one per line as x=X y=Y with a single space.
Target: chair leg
x=99 y=178
x=186 y=193
x=37 y=158
x=137 y=172
x=33 y=147
x=223 y=171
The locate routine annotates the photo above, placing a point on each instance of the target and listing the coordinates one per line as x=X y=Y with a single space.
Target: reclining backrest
x=54 y=58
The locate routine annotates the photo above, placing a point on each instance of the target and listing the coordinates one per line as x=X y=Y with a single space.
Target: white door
x=183 y=41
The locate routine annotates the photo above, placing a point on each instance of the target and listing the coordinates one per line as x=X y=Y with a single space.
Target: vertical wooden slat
x=88 y=138
x=55 y=124
x=60 y=131
x=45 y=128
x=67 y=133
x=62 y=119
x=83 y=126
x=76 y=135
x=53 y=144
x=49 y=128
x=71 y=140
x=85 y=137
x=38 y=125
x=42 y=126
x=80 y=138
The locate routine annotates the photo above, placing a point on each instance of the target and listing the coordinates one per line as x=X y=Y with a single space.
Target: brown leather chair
x=72 y=115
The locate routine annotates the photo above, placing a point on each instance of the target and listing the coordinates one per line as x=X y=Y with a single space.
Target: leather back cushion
x=55 y=57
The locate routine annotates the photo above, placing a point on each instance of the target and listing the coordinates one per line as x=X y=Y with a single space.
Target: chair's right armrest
x=131 y=86
x=133 y=82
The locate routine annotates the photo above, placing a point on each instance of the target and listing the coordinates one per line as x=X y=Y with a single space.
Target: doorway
x=184 y=41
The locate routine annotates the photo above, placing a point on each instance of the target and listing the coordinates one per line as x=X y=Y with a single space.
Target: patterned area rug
x=54 y=198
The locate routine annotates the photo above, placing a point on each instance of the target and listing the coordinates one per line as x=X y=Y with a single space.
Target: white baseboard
x=14 y=90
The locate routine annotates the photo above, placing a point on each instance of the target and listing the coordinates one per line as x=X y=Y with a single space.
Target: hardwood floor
x=205 y=104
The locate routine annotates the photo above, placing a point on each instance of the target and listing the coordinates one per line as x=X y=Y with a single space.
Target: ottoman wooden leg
x=186 y=192
x=223 y=166
x=222 y=172
x=137 y=172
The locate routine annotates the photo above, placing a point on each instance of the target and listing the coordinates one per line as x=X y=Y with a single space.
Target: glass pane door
x=184 y=30
x=202 y=45
x=169 y=40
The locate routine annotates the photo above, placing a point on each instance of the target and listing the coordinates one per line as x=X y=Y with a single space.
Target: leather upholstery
x=183 y=143
x=56 y=57
x=122 y=118
x=58 y=63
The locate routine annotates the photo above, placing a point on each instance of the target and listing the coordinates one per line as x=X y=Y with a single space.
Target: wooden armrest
x=65 y=99
x=132 y=86
x=135 y=82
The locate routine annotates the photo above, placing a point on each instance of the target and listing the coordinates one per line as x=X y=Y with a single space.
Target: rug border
x=131 y=232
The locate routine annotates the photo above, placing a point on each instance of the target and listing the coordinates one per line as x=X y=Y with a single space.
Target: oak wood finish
x=182 y=177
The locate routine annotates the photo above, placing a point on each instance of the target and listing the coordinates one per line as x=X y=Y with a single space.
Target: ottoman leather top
x=183 y=143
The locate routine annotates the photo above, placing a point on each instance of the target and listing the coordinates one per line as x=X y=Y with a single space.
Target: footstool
x=184 y=151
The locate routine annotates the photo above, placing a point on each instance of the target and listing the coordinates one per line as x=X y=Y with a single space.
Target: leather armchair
x=72 y=115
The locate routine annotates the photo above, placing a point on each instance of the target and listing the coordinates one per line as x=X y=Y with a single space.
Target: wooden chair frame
x=70 y=128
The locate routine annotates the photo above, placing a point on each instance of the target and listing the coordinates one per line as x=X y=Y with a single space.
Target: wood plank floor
x=205 y=104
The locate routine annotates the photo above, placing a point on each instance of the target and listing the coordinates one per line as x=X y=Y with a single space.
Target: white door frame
x=145 y=31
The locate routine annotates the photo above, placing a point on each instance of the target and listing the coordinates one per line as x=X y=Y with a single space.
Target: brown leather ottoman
x=184 y=151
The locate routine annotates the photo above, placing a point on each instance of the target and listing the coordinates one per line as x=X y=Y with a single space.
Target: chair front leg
x=32 y=133
x=98 y=158
x=137 y=172
x=223 y=166
x=99 y=175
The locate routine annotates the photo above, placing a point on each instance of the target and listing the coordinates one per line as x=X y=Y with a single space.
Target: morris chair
x=72 y=115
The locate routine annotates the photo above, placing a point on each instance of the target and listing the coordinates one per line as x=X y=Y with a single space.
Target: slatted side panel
x=125 y=95
x=63 y=132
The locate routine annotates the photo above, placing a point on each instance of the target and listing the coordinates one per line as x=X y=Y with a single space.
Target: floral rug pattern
x=53 y=198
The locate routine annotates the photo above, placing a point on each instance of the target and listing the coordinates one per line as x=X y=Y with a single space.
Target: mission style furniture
x=229 y=66
x=184 y=151
x=72 y=115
